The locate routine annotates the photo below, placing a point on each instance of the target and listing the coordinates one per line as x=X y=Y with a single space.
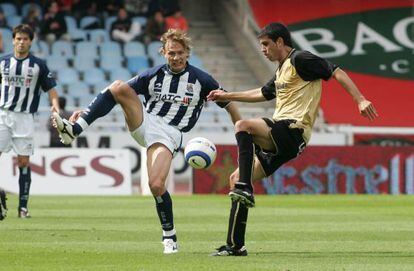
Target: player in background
x=22 y=76
x=174 y=95
x=297 y=86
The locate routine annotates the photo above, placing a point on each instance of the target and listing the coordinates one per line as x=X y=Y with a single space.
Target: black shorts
x=289 y=144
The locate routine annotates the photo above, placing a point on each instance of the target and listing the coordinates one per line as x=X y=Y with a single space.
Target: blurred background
x=88 y=44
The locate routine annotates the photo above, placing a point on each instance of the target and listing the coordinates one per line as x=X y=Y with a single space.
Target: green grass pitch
x=357 y=232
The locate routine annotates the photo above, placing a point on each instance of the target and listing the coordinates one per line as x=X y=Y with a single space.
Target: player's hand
x=54 y=109
x=216 y=95
x=75 y=116
x=366 y=109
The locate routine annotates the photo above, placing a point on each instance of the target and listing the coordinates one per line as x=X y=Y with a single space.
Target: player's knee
x=22 y=161
x=241 y=125
x=115 y=87
x=157 y=186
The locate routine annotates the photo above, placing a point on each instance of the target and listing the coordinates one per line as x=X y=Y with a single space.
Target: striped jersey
x=21 y=80
x=176 y=97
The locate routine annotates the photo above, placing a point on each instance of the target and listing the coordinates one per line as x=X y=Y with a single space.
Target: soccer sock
x=99 y=107
x=246 y=157
x=237 y=224
x=163 y=204
x=24 y=186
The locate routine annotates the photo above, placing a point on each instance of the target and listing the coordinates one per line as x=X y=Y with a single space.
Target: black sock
x=246 y=157
x=237 y=224
x=24 y=186
x=165 y=213
x=99 y=107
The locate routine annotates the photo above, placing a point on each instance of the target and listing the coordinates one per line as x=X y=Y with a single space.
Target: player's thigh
x=130 y=103
x=22 y=134
x=5 y=138
x=159 y=159
x=260 y=131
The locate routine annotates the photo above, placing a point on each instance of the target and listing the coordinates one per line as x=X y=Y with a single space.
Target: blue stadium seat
x=99 y=86
x=71 y=23
x=153 y=49
x=56 y=63
x=73 y=30
x=137 y=64
x=63 y=49
x=7 y=35
x=142 y=20
x=79 y=88
x=8 y=9
x=26 y=7
x=39 y=48
x=158 y=60
x=108 y=63
x=92 y=76
x=108 y=22
x=86 y=49
x=110 y=48
x=44 y=101
x=83 y=63
x=196 y=61
x=67 y=76
x=98 y=36
x=119 y=74
x=84 y=101
x=134 y=48
x=88 y=20
x=14 y=20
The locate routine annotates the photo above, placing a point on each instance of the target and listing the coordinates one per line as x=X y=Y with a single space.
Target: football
x=200 y=153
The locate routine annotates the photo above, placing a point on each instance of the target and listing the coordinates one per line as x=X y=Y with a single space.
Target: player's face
x=176 y=55
x=270 y=48
x=22 y=43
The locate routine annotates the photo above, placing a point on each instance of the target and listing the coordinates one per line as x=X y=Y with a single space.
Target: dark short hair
x=23 y=28
x=275 y=31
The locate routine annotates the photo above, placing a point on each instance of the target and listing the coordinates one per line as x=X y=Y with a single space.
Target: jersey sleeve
x=312 y=67
x=211 y=84
x=139 y=83
x=47 y=82
x=269 y=90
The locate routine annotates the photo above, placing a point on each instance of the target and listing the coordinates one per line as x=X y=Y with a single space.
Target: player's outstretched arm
x=53 y=98
x=248 y=96
x=233 y=112
x=366 y=108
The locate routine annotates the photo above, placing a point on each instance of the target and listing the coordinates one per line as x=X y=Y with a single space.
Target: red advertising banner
x=384 y=140
x=322 y=170
x=371 y=40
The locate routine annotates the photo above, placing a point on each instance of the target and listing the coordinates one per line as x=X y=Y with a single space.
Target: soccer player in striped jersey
x=174 y=95
x=22 y=77
x=266 y=144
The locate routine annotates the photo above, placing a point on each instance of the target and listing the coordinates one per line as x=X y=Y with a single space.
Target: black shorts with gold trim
x=289 y=144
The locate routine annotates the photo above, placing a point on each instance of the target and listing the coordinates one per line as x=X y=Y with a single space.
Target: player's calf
x=3 y=205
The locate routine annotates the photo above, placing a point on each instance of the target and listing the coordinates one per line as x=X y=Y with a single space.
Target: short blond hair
x=176 y=35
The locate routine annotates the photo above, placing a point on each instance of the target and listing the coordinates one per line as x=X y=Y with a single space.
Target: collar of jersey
x=169 y=71
x=21 y=59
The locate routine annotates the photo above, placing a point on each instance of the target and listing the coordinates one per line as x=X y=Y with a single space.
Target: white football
x=200 y=152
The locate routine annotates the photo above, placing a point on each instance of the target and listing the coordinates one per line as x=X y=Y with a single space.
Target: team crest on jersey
x=30 y=72
x=6 y=71
x=190 y=89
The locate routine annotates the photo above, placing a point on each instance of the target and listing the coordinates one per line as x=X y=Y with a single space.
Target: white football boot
x=170 y=246
x=64 y=128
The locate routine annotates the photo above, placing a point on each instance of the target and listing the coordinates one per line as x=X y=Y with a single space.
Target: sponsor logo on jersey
x=173 y=98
